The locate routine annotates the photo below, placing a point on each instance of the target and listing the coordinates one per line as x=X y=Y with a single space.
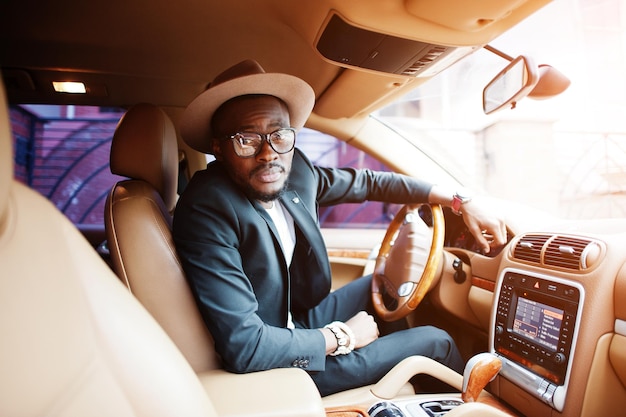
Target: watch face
x=463 y=197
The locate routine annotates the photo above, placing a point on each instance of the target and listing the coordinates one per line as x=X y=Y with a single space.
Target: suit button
x=300 y=363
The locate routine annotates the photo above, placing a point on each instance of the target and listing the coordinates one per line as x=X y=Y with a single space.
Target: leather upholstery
x=617 y=352
x=138 y=226
x=6 y=163
x=144 y=148
x=73 y=341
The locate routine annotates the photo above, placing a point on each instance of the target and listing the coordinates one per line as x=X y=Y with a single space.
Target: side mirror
x=512 y=84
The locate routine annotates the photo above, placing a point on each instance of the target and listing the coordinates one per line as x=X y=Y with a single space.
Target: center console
x=534 y=332
x=431 y=407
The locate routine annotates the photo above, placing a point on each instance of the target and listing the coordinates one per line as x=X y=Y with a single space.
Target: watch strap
x=457 y=201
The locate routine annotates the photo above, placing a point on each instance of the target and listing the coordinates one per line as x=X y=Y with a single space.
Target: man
x=247 y=233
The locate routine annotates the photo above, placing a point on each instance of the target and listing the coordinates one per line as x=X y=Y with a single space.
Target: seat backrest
x=73 y=341
x=138 y=226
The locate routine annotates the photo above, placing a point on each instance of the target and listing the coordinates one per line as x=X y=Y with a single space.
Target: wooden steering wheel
x=407 y=262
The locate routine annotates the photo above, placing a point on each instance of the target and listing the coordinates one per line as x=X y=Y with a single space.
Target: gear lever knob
x=479 y=371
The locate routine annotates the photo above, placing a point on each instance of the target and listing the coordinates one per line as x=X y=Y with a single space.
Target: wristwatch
x=345 y=337
x=342 y=341
x=457 y=201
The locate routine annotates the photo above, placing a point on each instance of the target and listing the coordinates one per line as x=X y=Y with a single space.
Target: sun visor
x=469 y=16
x=346 y=96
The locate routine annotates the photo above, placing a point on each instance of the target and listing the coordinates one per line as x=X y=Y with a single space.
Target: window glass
x=63 y=153
x=565 y=155
x=327 y=151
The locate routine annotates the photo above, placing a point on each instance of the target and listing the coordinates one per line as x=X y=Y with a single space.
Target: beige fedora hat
x=247 y=77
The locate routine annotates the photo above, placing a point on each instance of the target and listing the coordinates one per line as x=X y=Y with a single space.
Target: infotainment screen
x=535 y=327
x=538 y=322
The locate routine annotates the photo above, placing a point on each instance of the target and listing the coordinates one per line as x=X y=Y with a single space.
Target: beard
x=265 y=197
x=255 y=194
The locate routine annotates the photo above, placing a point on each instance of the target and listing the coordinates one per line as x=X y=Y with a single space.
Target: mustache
x=268 y=165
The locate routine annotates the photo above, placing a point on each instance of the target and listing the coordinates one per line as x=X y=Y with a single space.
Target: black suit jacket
x=231 y=254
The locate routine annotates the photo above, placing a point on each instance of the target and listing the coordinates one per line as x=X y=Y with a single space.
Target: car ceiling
x=166 y=52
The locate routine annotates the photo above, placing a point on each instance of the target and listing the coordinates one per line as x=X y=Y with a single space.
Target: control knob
x=560 y=358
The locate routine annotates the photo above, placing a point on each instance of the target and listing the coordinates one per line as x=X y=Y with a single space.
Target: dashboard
x=550 y=304
x=553 y=314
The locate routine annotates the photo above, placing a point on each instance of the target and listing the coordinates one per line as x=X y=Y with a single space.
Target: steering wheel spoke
x=407 y=262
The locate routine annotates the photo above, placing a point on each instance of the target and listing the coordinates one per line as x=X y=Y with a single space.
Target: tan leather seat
x=73 y=341
x=138 y=225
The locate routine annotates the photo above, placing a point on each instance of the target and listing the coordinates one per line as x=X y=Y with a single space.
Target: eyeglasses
x=249 y=144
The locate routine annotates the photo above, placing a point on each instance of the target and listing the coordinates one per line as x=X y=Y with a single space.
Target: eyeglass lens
x=249 y=144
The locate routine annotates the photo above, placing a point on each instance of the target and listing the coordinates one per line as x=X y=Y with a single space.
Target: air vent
x=565 y=252
x=529 y=247
x=571 y=253
x=422 y=62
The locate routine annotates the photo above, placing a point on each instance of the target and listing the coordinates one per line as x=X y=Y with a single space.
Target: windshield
x=565 y=155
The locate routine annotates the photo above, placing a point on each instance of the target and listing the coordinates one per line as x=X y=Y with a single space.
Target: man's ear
x=217 y=149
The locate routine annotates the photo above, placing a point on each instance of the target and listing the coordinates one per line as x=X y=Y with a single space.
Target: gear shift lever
x=479 y=371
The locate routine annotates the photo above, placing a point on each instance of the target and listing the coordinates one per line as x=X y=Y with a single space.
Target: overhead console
x=534 y=331
x=348 y=45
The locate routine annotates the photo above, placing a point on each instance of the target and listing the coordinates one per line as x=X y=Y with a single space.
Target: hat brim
x=196 y=120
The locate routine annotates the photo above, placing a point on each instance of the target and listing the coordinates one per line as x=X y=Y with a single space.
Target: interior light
x=69 y=87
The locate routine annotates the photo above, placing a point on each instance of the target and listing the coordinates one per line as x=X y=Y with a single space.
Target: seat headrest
x=144 y=148
x=6 y=157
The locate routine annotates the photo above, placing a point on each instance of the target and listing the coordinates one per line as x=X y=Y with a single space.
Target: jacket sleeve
x=351 y=185
x=207 y=232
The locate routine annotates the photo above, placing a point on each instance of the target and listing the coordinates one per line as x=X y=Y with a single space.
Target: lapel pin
x=295 y=200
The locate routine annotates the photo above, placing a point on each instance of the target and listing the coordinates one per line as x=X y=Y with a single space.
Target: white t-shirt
x=287 y=234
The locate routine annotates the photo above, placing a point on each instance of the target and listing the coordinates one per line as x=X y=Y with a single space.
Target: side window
x=63 y=153
x=328 y=151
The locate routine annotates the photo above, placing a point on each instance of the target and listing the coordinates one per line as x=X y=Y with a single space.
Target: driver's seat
x=138 y=225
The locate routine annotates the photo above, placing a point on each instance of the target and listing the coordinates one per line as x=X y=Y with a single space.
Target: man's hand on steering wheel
x=488 y=230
